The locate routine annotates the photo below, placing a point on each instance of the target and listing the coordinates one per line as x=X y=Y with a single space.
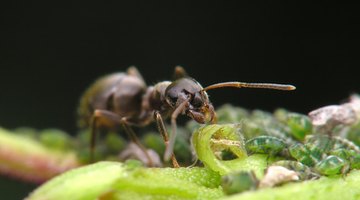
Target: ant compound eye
x=197 y=101
x=183 y=88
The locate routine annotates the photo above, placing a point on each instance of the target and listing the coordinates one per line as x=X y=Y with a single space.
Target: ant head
x=187 y=96
x=189 y=93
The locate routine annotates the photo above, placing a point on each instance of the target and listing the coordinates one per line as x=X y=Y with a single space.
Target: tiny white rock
x=276 y=175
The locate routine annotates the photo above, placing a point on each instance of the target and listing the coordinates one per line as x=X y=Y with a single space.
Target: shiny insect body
x=124 y=100
x=332 y=165
x=328 y=143
x=302 y=154
x=355 y=161
x=265 y=144
x=299 y=125
x=348 y=155
x=342 y=153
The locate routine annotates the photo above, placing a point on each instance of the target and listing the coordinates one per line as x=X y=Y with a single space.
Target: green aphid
x=114 y=143
x=353 y=134
x=302 y=154
x=238 y=182
x=282 y=134
x=281 y=114
x=328 y=143
x=302 y=170
x=230 y=114
x=332 y=165
x=299 y=125
x=266 y=145
x=344 y=154
x=348 y=155
x=262 y=117
x=56 y=139
x=340 y=142
x=320 y=145
x=251 y=129
x=355 y=161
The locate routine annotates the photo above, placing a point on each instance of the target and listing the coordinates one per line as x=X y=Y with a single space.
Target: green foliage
x=301 y=149
x=212 y=139
x=113 y=180
x=29 y=159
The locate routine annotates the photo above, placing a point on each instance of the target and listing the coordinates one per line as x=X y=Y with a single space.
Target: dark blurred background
x=51 y=52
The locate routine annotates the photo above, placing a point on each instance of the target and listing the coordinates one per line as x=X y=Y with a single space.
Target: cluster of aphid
x=308 y=144
x=306 y=150
x=326 y=155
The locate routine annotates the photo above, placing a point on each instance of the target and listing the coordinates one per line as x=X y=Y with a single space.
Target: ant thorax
x=154 y=100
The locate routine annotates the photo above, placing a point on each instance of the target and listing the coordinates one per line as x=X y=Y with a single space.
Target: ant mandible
x=123 y=99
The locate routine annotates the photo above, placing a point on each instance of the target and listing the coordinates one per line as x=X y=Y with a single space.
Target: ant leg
x=163 y=132
x=100 y=118
x=194 y=163
x=179 y=72
x=111 y=120
x=132 y=71
x=129 y=131
x=174 y=115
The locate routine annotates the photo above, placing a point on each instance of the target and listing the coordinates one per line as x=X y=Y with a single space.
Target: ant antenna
x=273 y=86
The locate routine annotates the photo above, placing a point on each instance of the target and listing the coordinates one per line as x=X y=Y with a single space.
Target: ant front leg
x=104 y=118
x=170 y=148
x=163 y=132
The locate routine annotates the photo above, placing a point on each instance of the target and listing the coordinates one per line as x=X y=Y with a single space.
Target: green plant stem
x=29 y=160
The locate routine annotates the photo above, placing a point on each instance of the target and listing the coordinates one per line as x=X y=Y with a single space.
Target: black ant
x=123 y=99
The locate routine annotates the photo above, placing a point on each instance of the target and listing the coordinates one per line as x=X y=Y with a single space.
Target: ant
x=123 y=99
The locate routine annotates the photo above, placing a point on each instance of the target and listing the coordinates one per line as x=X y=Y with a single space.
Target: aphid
x=332 y=165
x=319 y=143
x=328 y=143
x=239 y=182
x=345 y=143
x=281 y=134
x=342 y=153
x=302 y=154
x=299 y=125
x=353 y=133
x=124 y=100
x=265 y=144
x=355 y=161
x=348 y=155
x=302 y=170
x=276 y=175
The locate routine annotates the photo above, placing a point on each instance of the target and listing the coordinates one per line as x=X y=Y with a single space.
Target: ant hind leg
x=108 y=119
x=130 y=132
x=100 y=118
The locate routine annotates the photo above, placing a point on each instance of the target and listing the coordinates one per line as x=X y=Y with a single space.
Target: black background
x=50 y=53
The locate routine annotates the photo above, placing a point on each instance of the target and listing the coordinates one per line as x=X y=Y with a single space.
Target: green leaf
x=224 y=136
x=112 y=180
x=326 y=188
x=82 y=183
